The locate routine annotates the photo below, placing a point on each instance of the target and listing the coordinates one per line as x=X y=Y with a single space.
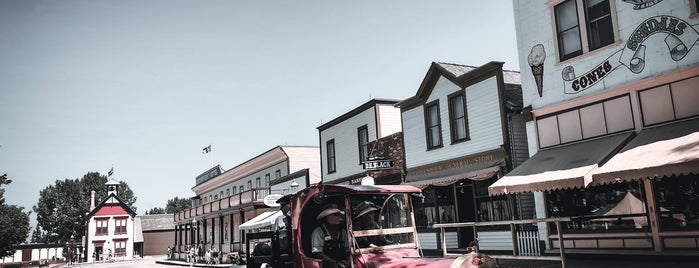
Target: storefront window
x=614 y=207
x=678 y=198
x=491 y=208
x=437 y=206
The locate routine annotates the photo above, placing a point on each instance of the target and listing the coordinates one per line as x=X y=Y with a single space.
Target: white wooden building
x=349 y=142
x=613 y=88
x=110 y=228
x=462 y=131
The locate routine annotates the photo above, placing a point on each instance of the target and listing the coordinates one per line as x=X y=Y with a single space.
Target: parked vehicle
x=394 y=211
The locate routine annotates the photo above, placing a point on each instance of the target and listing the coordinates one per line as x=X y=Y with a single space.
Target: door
x=466 y=211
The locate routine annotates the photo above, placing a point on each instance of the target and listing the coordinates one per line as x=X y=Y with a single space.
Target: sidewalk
x=184 y=263
x=605 y=261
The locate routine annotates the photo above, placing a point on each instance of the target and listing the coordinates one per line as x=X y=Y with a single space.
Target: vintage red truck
x=394 y=205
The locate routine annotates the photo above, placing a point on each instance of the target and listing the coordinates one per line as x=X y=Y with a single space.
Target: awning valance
x=564 y=167
x=264 y=220
x=445 y=181
x=475 y=167
x=656 y=152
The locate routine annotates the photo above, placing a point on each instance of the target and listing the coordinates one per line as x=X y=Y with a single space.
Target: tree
x=37 y=235
x=62 y=207
x=14 y=223
x=177 y=204
x=154 y=211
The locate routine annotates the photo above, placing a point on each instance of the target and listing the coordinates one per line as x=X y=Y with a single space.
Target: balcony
x=246 y=198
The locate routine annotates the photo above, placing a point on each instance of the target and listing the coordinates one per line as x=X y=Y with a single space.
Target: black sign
x=209 y=174
x=378 y=164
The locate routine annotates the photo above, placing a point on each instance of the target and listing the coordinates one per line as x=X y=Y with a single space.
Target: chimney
x=92 y=200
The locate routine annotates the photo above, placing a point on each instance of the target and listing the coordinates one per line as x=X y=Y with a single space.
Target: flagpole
x=212 y=156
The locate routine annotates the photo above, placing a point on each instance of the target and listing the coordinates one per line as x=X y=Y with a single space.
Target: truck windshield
x=382 y=220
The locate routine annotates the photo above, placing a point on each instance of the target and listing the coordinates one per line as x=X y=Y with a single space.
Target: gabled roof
x=104 y=203
x=461 y=75
x=156 y=222
x=370 y=104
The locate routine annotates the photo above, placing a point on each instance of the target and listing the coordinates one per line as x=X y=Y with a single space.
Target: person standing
x=281 y=223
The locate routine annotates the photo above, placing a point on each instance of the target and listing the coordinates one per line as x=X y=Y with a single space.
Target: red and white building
x=110 y=228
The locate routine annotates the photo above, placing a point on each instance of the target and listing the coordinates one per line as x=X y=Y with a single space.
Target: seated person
x=364 y=219
x=329 y=240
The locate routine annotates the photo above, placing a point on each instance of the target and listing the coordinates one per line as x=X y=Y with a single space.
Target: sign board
x=271 y=200
x=378 y=164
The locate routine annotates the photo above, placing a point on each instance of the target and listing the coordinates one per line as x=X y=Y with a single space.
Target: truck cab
x=392 y=242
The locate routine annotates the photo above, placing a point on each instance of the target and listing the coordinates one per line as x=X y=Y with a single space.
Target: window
x=277 y=174
x=211 y=198
x=457 y=117
x=433 y=125
x=250 y=185
x=488 y=208
x=120 y=224
x=119 y=248
x=228 y=192
x=220 y=195
x=257 y=182
x=604 y=208
x=669 y=102
x=215 y=197
x=330 y=146
x=233 y=189
x=363 y=142
x=267 y=176
x=436 y=207
x=242 y=189
x=593 y=120
x=102 y=226
x=679 y=205
x=598 y=30
x=206 y=199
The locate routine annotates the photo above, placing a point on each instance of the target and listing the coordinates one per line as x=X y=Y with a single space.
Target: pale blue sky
x=145 y=85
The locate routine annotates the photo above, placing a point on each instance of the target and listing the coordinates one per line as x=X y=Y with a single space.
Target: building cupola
x=112 y=187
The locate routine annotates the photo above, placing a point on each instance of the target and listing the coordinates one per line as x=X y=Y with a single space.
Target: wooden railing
x=240 y=199
x=525 y=251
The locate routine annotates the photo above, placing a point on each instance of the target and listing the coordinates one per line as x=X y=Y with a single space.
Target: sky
x=144 y=86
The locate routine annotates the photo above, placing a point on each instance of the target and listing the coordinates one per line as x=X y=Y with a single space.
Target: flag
x=111 y=171
x=206 y=149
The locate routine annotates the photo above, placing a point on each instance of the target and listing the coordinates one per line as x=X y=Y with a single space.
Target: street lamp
x=294 y=186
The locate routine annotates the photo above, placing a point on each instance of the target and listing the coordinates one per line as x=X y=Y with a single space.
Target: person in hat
x=365 y=219
x=281 y=224
x=329 y=240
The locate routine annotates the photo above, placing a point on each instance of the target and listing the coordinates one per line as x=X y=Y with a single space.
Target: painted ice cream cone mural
x=536 y=62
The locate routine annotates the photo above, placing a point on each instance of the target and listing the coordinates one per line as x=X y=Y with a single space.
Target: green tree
x=14 y=223
x=62 y=207
x=154 y=211
x=177 y=204
x=37 y=235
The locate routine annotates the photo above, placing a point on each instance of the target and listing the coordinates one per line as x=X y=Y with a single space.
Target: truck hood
x=399 y=258
x=407 y=259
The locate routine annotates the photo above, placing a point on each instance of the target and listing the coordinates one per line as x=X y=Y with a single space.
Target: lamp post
x=196 y=238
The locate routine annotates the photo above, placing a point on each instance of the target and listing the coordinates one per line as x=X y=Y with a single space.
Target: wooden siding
x=153 y=242
x=518 y=139
x=346 y=144
x=389 y=118
x=484 y=119
x=495 y=240
x=303 y=158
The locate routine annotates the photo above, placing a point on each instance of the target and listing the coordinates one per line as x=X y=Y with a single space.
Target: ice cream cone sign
x=536 y=62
